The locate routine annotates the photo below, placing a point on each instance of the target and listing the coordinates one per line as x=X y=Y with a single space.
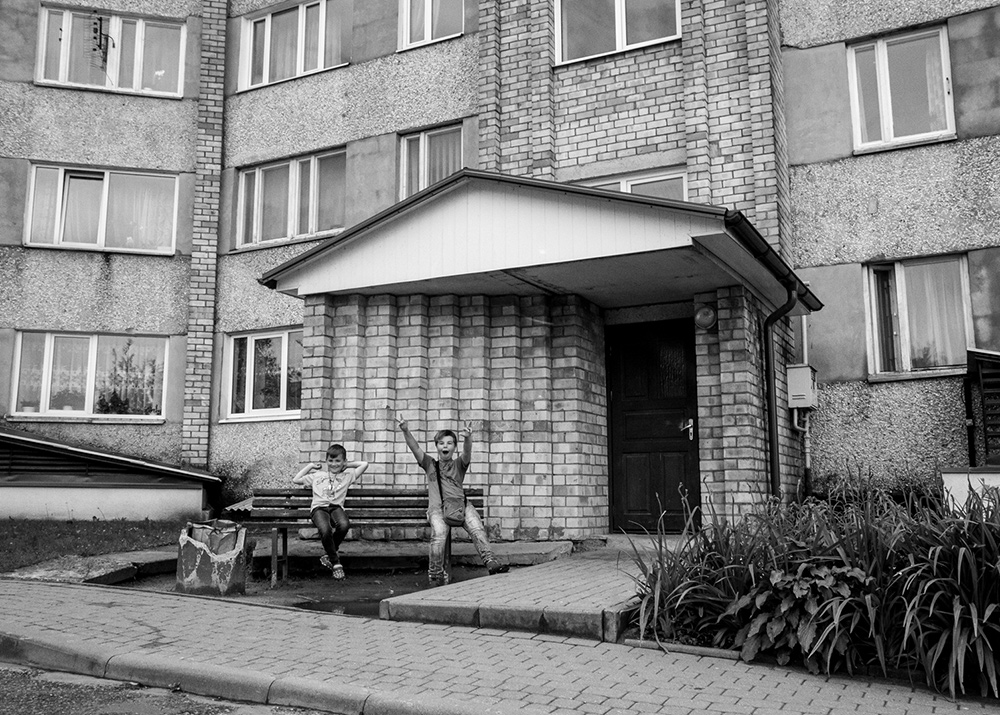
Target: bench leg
x=284 y=554
x=274 y=558
x=447 y=556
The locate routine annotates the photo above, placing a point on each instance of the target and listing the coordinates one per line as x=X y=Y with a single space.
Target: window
x=74 y=374
x=110 y=210
x=299 y=197
x=302 y=39
x=920 y=314
x=661 y=186
x=423 y=21
x=429 y=157
x=597 y=27
x=901 y=90
x=266 y=373
x=127 y=54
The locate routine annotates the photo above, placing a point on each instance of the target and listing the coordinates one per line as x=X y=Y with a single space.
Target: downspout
x=772 y=391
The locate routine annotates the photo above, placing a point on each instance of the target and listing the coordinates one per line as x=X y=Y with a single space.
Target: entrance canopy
x=477 y=233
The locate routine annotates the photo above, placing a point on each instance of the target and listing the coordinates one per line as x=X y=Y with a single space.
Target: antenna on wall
x=101 y=41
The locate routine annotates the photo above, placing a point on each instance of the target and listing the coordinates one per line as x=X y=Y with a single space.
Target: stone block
x=213 y=558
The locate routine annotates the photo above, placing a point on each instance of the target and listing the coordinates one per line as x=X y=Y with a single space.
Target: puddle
x=365 y=607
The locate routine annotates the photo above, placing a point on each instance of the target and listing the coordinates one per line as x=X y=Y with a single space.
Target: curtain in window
x=588 y=27
x=417 y=20
x=68 y=387
x=647 y=20
x=337 y=33
x=310 y=48
x=161 y=57
x=140 y=212
x=936 y=315
x=43 y=205
x=284 y=44
x=447 y=18
x=444 y=155
x=257 y=52
x=412 y=149
x=274 y=197
x=82 y=207
x=129 y=376
x=917 y=82
x=29 y=373
x=331 y=191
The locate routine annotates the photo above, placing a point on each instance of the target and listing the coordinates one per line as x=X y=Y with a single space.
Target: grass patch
x=24 y=542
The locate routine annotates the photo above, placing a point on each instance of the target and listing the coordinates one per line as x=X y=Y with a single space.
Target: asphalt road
x=28 y=691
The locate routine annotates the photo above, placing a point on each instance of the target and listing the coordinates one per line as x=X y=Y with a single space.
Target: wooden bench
x=380 y=513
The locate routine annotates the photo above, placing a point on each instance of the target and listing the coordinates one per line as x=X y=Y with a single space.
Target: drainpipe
x=772 y=391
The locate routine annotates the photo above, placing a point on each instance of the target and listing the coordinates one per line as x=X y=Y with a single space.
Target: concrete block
x=213 y=558
x=422 y=611
x=298 y=692
x=89 y=659
x=519 y=618
x=191 y=676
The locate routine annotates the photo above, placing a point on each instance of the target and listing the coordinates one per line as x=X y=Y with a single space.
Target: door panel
x=652 y=394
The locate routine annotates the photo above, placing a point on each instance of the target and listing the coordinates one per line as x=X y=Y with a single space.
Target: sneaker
x=442 y=580
x=495 y=567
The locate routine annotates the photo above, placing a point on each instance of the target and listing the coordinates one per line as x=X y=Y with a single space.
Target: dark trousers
x=333 y=526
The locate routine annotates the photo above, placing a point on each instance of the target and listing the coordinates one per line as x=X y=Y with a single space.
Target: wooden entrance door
x=653 y=399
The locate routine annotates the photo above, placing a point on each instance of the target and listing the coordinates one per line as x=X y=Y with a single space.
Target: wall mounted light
x=705 y=317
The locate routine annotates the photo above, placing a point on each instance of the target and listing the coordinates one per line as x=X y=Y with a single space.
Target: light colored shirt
x=328 y=489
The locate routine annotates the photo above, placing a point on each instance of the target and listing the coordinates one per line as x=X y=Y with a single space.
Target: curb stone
x=669 y=647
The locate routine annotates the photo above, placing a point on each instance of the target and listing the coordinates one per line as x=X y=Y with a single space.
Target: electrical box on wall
x=801 y=386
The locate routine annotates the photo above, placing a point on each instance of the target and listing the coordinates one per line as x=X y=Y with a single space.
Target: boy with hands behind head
x=329 y=484
x=446 y=475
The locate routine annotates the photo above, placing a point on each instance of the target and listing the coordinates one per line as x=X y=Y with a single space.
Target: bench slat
x=359 y=492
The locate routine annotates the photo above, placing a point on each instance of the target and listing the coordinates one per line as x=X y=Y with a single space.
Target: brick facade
x=526 y=373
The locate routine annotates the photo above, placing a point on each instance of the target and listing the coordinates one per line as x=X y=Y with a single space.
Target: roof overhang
x=477 y=233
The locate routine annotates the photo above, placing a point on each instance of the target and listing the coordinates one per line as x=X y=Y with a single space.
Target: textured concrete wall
x=254 y=455
x=806 y=23
x=907 y=428
x=420 y=87
x=925 y=200
x=836 y=334
x=243 y=303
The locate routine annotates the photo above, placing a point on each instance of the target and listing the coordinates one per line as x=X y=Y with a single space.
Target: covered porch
x=607 y=349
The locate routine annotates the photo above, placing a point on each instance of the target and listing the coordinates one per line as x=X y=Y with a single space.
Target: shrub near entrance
x=855 y=583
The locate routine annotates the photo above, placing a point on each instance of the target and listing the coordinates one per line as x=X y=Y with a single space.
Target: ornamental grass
x=865 y=581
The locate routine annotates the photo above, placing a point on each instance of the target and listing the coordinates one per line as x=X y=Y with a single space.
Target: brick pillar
x=443 y=409
x=696 y=136
x=317 y=377
x=205 y=237
x=474 y=394
x=347 y=379
x=505 y=415
x=412 y=364
x=489 y=85
x=537 y=435
x=542 y=48
x=710 y=417
x=379 y=373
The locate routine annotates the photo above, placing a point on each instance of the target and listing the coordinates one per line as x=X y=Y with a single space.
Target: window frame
x=113 y=53
x=627 y=181
x=102 y=229
x=250 y=414
x=889 y=140
x=404 y=25
x=294 y=198
x=45 y=395
x=422 y=138
x=621 y=34
x=245 y=75
x=900 y=320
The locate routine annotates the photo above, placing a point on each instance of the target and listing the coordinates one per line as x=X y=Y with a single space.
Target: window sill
x=251 y=88
x=87 y=419
x=279 y=242
x=283 y=417
x=642 y=46
x=100 y=249
x=905 y=144
x=108 y=90
x=417 y=45
x=918 y=375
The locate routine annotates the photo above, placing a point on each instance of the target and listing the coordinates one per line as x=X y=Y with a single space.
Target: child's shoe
x=442 y=580
x=336 y=569
x=495 y=567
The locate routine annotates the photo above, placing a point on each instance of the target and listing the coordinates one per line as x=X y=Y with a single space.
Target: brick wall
x=205 y=236
x=526 y=373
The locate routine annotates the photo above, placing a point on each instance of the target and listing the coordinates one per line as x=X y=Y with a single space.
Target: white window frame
x=628 y=181
x=57 y=241
x=621 y=33
x=245 y=77
x=889 y=140
x=113 y=52
x=229 y=364
x=422 y=138
x=88 y=410
x=245 y=238
x=901 y=319
x=404 y=26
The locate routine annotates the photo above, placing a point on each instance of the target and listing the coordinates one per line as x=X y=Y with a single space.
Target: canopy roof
x=477 y=233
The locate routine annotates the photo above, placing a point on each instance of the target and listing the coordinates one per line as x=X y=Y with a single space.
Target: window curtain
x=29 y=373
x=331 y=191
x=68 y=387
x=444 y=155
x=335 y=33
x=274 y=197
x=129 y=376
x=417 y=20
x=82 y=207
x=447 y=18
x=43 y=206
x=284 y=44
x=140 y=212
x=161 y=57
x=936 y=315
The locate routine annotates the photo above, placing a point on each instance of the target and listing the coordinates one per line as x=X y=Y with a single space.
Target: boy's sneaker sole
x=497 y=568
x=336 y=569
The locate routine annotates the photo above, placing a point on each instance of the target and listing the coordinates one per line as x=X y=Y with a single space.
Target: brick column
x=474 y=395
x=443 y=408
x=489 y=85
x=379 y=374
x=205 y=237
x=537 y=435
x=505 y=415
x=316 y=419
x=412 y=364
x=710 y=417
x=347 y=378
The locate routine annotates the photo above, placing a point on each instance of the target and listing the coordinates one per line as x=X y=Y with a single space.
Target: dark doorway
x=654 y=438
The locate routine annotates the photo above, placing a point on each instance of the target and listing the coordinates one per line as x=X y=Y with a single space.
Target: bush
x=885 y=582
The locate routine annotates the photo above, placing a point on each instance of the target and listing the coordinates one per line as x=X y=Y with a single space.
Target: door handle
x=689 y=426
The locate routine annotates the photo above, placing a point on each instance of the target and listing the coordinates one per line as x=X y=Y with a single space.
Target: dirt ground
x=356 y=595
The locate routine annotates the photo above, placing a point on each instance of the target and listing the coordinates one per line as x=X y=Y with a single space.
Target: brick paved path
x=534 y=673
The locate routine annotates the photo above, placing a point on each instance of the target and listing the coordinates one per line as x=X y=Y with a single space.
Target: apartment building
x=893 y=115
x=234 y=232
